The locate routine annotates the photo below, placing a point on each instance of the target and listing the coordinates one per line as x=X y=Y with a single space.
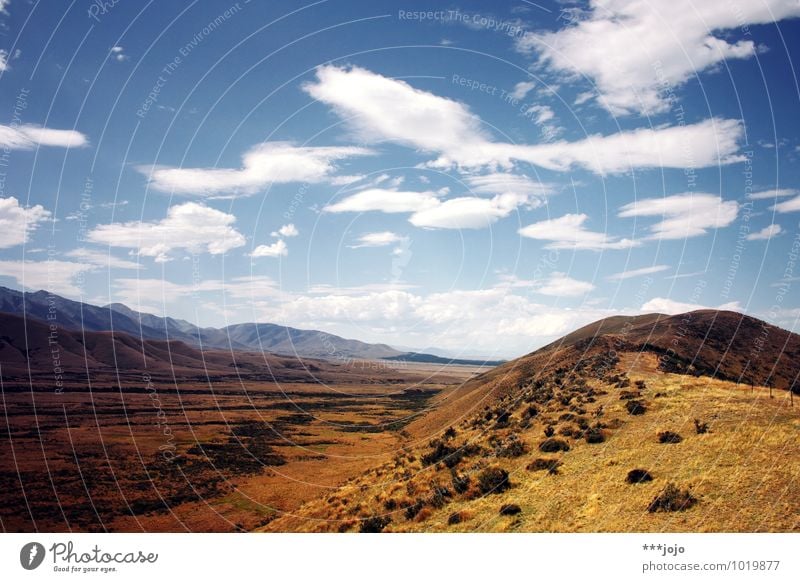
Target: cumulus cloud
x=772 y=194
x=429 y=211
x=561 y=285
x=53 y=275
x=569 y=232
x=635 y=52
x=17 y=222
x=118 y=53
x=287 y=230
x=267 y=163
x=101 y=259
x=621 y=276
x=190 y=226
x=276 y=249
x=28 y=137
x=378 y=239
x=672 y=307
x=522 y=88
x=684 y=215
x=792 y=205
x=378 y=108
x=385 y=200
x=540 y=113
x=766 y=233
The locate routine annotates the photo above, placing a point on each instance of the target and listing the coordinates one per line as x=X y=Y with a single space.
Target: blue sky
x=477 y=176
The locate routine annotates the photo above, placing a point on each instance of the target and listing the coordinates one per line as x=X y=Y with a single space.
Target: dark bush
x=450 y=433
x=455 y=518
x=513 y=447
x=635 y=407
x=390 y=504
x=672 y=498
x=440 y=496
x=503 y=416
x=460 y=482
x=552 y=445
x=549 y=465
x=640 y=384
x=629 y=395
x=700 y=427
x=549 y=431
x=636 y=476
x=594 y=436
x=530 y=412
x=374 y=524
x=493 y=480
x=413 y=509
x=669 y=437
x=510 y=509
x=568 y=431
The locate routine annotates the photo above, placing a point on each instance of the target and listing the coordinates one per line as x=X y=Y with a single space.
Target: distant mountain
x=420 y=358
x=30 y=349
x=267 y=337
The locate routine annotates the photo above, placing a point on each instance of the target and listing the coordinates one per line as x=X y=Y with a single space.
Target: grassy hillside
x=736 y=469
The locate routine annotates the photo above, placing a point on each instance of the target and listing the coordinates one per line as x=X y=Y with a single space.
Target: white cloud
x=568 y=232
x=671 y=307
x=560 y=285
x=378 y=239
x=637 y=272
x=276 y=249
x=684 y=215
x=384 y=200
x=118 y=53
x=634 y=51
x=792 y=205
x=101 y=259
x=53 y=275
x=378 y=108
x=772 y=194
x=28 y=137
x=17 y=222
x=766 y=233
x=287 y=230
x=540 y=113
x=191 y=226
x=3 y=60
x=521 y=89
x=429 y=211
x=264 y=164
x=505 y=183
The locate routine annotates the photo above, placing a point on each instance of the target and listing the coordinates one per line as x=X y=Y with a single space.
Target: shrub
x=510 y=509
x=440 y=496
x=390 y=504
x=503 y=416
x=640 y=384
x=413 y=509
x=513 y=447
x=568 y=431
x=635 y=407
x=552 y=445
x=374 y=524
x=455 y=518
x=636 y=476
x=549 y=431
x=669 y=437
x=700 y=427
x=530 y=412
x=549 y=465
x=629 y=395
x=672 y=498
x=594 y=436
x=493 y=480
x=450 y=433
x=460 y=482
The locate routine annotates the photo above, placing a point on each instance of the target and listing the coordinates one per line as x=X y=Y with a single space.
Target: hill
x=75 y=315
x=32 y=349
x=651 y=423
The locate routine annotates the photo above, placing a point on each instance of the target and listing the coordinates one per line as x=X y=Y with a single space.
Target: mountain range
x=261 y=337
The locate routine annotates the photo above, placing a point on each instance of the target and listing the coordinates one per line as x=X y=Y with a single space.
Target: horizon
x=251 y=169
